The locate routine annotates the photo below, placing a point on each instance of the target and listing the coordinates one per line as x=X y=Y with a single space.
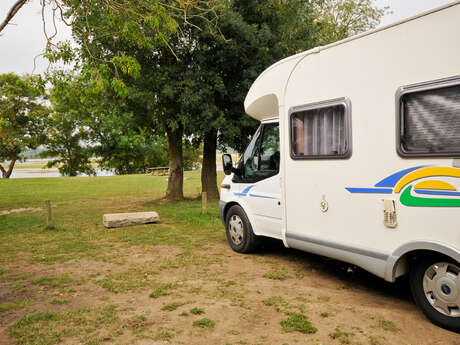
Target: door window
x=262 y=156
x=270 y=150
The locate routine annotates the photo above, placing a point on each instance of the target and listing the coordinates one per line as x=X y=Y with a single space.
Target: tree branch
x=16 y=7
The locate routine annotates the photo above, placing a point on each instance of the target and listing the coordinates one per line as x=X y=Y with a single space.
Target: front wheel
x=239 y=231
x=435 y=285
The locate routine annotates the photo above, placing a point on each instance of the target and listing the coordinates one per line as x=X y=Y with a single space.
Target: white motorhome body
x=356 y=180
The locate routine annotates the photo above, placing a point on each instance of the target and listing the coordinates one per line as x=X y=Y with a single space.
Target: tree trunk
x=175 y=189
x=208 y=170
x=7 y=173
x=2 y=169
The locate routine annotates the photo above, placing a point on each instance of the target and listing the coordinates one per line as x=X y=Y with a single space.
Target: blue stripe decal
x=391 y=180
x=246 y=190
x=436 y=192
x=261 y=196
x=370 y=190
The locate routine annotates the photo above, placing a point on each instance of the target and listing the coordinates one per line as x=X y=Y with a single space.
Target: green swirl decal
x=409 y=200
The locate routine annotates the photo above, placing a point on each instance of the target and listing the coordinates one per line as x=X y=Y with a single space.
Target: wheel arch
x=246 y=210
x=398 y=262
x=227 y=207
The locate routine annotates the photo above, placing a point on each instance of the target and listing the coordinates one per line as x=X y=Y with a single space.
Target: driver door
x=262 y=189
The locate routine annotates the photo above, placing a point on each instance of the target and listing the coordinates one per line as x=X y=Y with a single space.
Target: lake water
x=38 y=172
x=33 y=172
x=32 y=168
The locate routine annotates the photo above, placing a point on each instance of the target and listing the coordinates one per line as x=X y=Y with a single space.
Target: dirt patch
x=216 y=296
x=19 y=210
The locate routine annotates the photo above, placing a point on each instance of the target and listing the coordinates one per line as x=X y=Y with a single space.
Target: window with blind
x=321 y=130
x=429 y=119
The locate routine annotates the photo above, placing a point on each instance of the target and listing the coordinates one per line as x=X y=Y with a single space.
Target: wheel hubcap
x=441 y=284
x=236 y=229
x=445 y=289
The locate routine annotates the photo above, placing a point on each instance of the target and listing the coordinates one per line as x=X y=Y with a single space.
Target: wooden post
x=49 y=216
x=204 y=200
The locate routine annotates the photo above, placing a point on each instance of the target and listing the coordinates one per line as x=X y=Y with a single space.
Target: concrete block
x=118 y=220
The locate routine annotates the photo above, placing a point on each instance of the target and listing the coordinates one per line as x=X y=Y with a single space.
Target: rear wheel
x=435 y=285
x=239 y=231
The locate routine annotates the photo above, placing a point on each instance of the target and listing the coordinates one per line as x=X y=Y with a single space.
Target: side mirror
x=227 y=163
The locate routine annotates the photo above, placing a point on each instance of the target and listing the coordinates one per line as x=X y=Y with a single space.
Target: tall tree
x=144 y=68
x=65 y=144
x=67 y=137
x=90 y=119
x=22 y=116
x=252 y=35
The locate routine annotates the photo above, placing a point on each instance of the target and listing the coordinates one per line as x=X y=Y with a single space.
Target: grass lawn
x=174 y=282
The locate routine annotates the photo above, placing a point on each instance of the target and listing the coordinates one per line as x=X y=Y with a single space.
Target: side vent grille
x=389 y=214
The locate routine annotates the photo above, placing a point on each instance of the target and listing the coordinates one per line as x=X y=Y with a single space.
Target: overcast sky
x=24 y=40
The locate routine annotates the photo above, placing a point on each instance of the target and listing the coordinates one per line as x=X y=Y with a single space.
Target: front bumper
x=221 y=210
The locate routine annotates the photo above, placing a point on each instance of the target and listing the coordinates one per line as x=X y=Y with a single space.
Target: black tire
x=418 y=269
x=248 y=242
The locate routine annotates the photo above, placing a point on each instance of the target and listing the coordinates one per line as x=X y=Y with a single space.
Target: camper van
x=357 y=158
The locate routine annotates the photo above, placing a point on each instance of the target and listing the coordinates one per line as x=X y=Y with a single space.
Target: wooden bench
x=158 y=171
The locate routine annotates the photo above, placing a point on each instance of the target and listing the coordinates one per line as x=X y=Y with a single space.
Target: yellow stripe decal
x=433 y=184
x=426 y=172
